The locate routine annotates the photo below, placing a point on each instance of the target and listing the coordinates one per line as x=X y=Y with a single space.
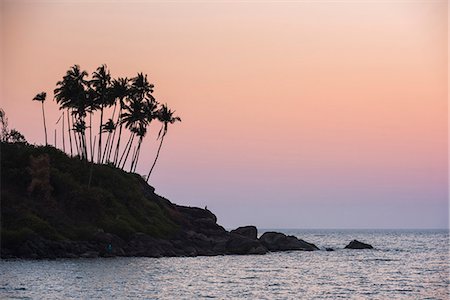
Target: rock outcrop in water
x=276 y=241
x=355 y=244
x=248 y=231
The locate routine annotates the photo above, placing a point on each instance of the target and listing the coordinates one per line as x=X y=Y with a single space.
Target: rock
x=358 y=245
x=329 y=249
x=276 y=241
x=239 y=244
x=144 y=245
x=248 y=231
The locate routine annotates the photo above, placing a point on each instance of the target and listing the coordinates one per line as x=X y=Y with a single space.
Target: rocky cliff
x=57 y=206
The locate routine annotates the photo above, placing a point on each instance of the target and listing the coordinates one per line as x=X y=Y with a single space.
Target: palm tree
x=80 y=127
x=141 y=131
x=133 y=116
x=62 y=133
x=120 y=91
x=109 y=127
x=140 y=87
x=101 y=84
x=136 y=111
x=165 y=115
x=91 y=106
x=150 y=113
x=41 y=97
x=71 y=94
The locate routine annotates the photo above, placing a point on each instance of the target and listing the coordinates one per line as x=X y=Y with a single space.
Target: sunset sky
x=296 y=114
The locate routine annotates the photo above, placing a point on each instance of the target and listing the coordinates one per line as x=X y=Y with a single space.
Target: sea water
x=405 y=264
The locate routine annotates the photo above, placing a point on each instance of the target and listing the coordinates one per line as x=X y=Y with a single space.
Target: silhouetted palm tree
x=150 y=113
x=109 y=127
x=120 y=91
x=141 y=131
x=71 y=93
x=133 y=116
x=80 y=127
x=136 y=111
x=91 y=106
x=140 y=87
x=41 y=97
x=101 y=82
x=165 y=115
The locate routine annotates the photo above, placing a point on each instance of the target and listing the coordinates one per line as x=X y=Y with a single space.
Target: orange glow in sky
x=321 y=114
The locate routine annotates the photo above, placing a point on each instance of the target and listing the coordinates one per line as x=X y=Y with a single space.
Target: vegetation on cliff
x=45 y=192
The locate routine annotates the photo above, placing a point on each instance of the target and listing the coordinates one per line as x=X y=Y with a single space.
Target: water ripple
x=404 y=265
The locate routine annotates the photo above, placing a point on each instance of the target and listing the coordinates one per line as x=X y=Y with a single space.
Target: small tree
x=6 y=135
x=15 y=136
x=41 y=98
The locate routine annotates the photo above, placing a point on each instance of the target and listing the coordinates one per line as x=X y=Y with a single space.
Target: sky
x=295 y=114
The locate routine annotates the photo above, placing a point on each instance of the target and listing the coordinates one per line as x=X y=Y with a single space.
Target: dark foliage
x=45 y=192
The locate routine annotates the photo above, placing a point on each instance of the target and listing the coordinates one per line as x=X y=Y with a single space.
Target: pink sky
x=295 y=114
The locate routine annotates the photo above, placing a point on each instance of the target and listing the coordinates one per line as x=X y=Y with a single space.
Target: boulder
x=358 y=245
x=248 y=231
x=239 y=244
x=276 y=241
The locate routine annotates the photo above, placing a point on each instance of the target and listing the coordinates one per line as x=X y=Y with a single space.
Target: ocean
x=405 y=264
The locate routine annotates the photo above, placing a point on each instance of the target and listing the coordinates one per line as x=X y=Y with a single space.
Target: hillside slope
x=48 y=210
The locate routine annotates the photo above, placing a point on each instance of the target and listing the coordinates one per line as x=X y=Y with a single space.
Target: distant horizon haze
x=327 y=114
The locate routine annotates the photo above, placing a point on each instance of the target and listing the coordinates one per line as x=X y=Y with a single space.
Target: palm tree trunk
x=99 y=158
x=114 y=135
x=80 y=145
x=106 y=148
x=85 y=145
x=92 y=167
x=62 y=133
x=90 y=136
x=76 y=138
x=137 y=155
x=116 y=153
x=133 y=157
x=108 y=137
x=133 y=161
x=77 y=144
x=106 y=151
x=128 y=152
x=45 y=126
x=124 y=150
x=111 y=144
x=92 y=153
x=156 y=158
x=69 y=131
x=55 y=137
